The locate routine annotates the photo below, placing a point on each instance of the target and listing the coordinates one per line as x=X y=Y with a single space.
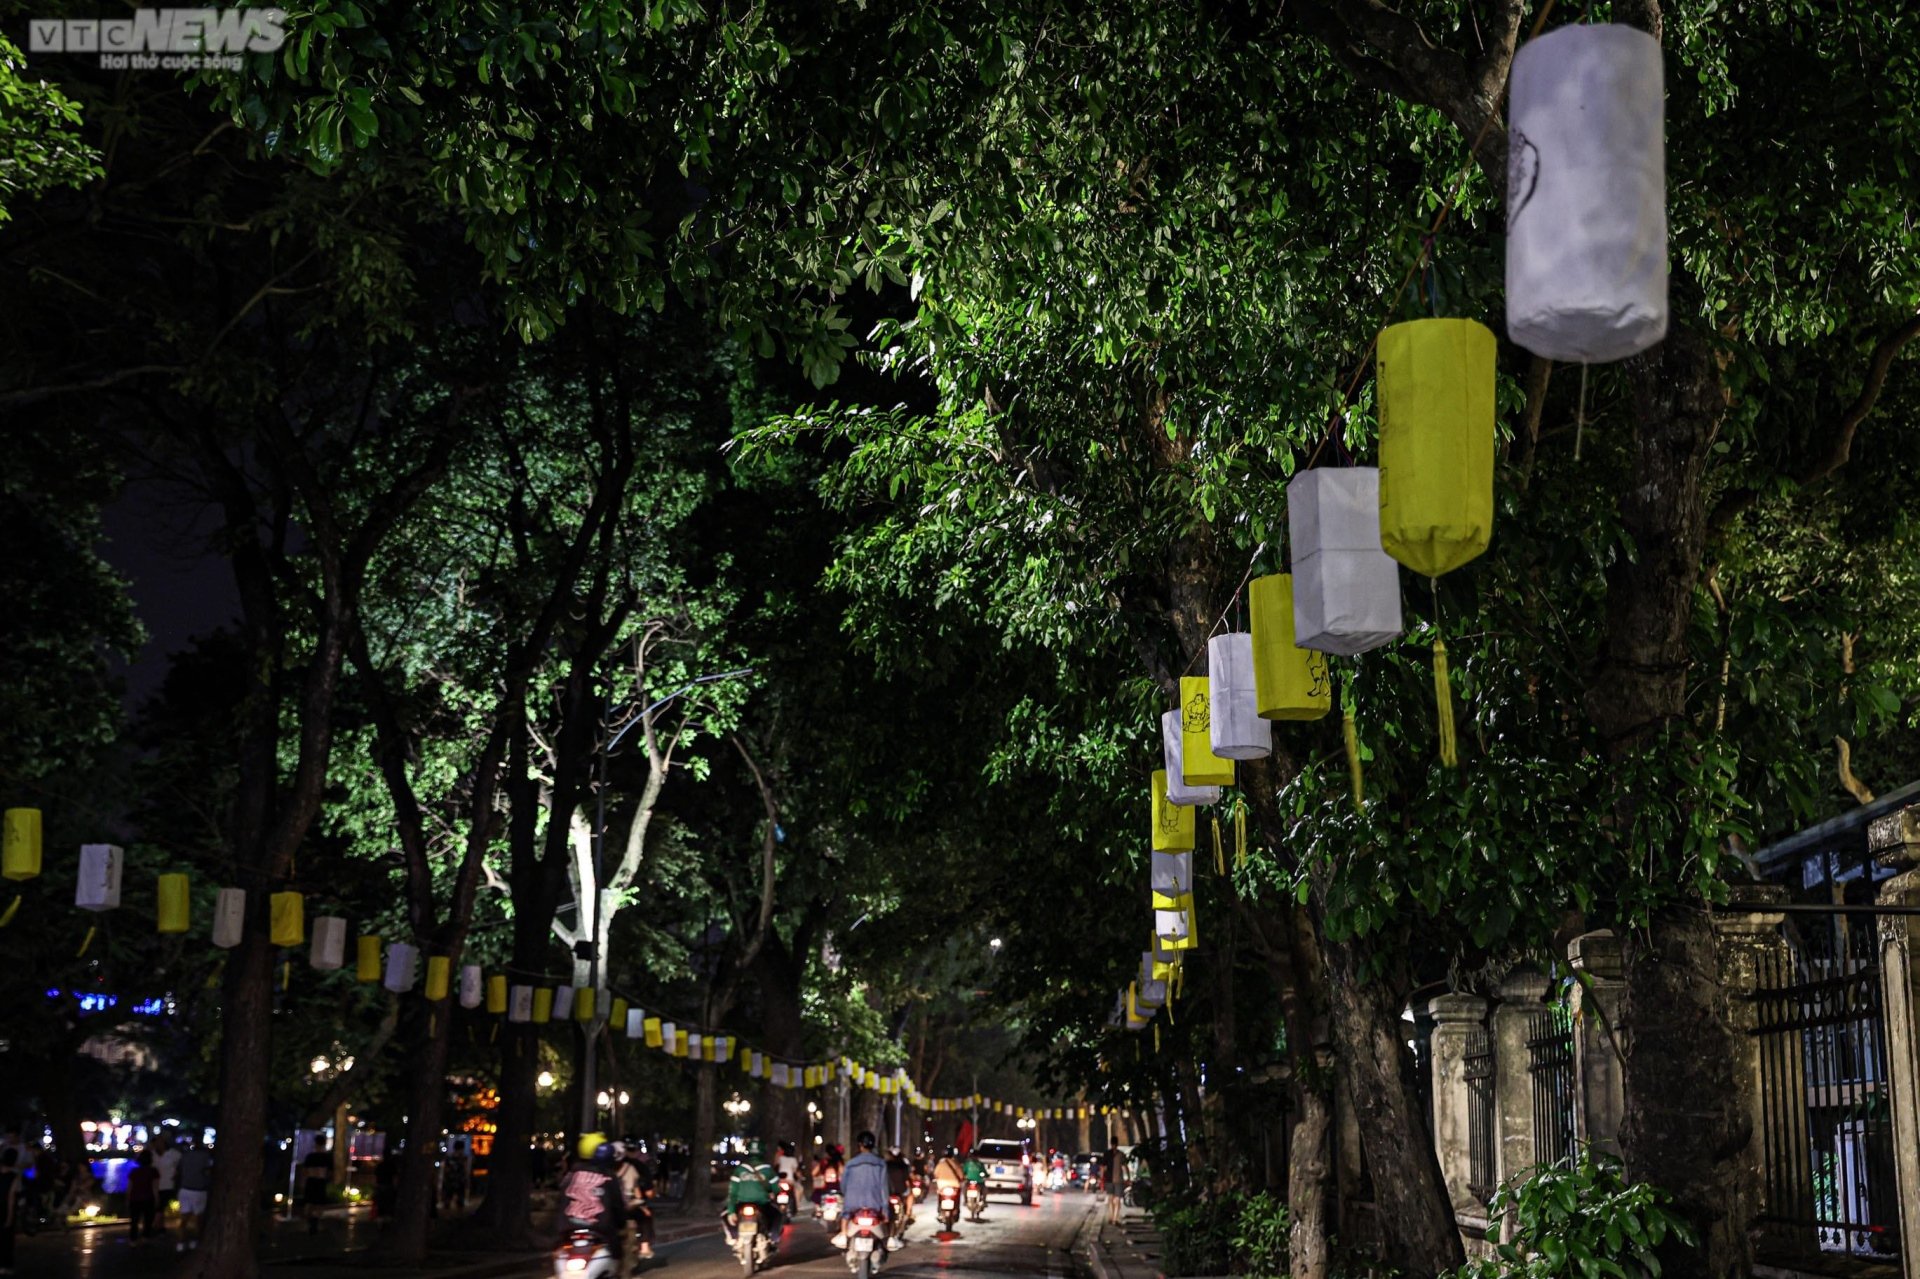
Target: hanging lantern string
x=1214 y=629
x=1419 y=263
x=1580 y=415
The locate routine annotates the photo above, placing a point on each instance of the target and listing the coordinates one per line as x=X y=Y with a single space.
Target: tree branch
x=1840 y=448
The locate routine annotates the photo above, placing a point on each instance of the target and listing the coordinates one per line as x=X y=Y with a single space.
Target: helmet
x=953 y=1152
x=592 y=1144
x=755 y=1149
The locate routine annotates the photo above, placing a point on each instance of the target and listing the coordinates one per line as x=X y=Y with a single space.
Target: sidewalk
x=1130 y=1250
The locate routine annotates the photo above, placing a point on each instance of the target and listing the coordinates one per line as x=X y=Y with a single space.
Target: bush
x=1582 y=1222
x=1260 y=1237
x=1225 y=1234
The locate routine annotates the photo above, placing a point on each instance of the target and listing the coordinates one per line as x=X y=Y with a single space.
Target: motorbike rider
x=752 y=1183
x=948 y=1172
x=786 y=1165
x=863 y=1185
x=975 y=1173
x=900 y=1182
x=590 y=1196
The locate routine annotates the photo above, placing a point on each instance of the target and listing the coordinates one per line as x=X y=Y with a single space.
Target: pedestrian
x=196 y=1178
x=316 y=1170
x=167 y=1164
x=9 y=1205
x=1114 y=1174
x=143 y=1192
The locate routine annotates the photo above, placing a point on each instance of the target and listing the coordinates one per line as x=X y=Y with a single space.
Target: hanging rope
x=1351 y=733
x=86 y=941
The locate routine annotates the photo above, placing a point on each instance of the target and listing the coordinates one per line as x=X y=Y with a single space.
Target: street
x=1013 y=1240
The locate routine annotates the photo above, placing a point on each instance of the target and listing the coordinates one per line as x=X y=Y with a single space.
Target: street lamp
x=545 y=1080
x=737 y=1106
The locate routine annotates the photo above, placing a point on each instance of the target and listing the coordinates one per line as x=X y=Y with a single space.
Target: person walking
x=196 y=1176
x=143 y=1193
x=167 y=1164
x=9 y=1205
x=316 y=1171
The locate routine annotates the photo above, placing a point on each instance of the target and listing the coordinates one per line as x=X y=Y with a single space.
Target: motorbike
x=584 y=1255
x=783 y=1198
x=949 y=1210
x=827 y=1204
x=976 y=1200
x=755 y=1237
x=866 y=1243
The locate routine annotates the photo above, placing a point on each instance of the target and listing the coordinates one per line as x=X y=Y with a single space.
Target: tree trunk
x=776 y=976
x=419 y=1162
x=246 y=1014
x=705 y=1103
x=507 y=1211
x=1410 y=1195
x=1310 y=1185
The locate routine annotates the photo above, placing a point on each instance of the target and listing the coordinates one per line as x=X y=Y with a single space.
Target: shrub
x=1579 y=1222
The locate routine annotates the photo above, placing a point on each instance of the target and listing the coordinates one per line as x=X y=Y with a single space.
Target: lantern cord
x=433 y=1024
x=494 y=1034
x=1240 y=835
x=1244 y=579
x=1219 y=855
x=1580 y=414
x=1443 y=699
x=13 y=908
x=86 y=941
x=1352 y=735
x=1426 y=244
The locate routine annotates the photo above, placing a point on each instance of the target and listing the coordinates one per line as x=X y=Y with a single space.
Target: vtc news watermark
x=170 y=39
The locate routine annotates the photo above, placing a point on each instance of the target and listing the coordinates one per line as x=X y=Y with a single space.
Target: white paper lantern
x=329 y=946
x=229 y=917
x=1170 y=925
x=1587 y=194
x=473 y=986
x=1346 y=589
x=1177 y=792
x=400 y=966
x=636 y=1023
x=1171 y=877
x=98 y=885
x=1153 y=994
x=520 y=1003
x=1234 y=725
x=563 y=1001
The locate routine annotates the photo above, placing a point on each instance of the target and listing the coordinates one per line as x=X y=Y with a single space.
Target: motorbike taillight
x=748 y=1210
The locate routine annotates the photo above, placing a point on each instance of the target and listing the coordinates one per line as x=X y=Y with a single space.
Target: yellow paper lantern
x=542 y=1005
x=288 y=915
x=497 y=993
x=652 y=1028
x=1199 y=766
x=583 y=1004
x=439 y=976
x=1435 y=393
x=20 y=846
x=1290 y=682
x=1172 y=824
x=174 y=904
x=366 y=959
x=618 y=1015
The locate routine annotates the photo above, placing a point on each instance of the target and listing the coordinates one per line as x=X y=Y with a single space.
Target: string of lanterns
x=396 y=966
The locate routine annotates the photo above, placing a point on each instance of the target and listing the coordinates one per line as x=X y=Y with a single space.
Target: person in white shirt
x=167 y=1164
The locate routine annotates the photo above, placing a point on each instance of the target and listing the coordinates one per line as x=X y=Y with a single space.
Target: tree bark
x=705 y=1103
x=426 y=1106
x=1310 y=1185
x=246 y=1012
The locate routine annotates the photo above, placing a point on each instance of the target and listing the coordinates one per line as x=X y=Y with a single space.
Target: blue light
x=150 y=1007
x=98 y=1003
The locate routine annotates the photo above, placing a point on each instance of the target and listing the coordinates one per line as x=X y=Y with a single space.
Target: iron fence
x=1827 y=1136
x=1477 y=1063
x=1550 y=1066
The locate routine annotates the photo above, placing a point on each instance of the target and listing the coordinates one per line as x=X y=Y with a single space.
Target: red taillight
x=748 y=1210
x=1026 y=1161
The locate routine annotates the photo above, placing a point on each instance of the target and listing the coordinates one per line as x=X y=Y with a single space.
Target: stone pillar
x=1522 y=994
x=1599 y=1082
x=1895 y=841
x=1455 y=1018
x=1753 y=953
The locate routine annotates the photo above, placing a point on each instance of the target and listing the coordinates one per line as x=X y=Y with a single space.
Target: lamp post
x=737 y=1107
x=592 y=907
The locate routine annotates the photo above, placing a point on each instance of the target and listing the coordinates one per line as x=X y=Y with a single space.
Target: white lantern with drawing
x=229 y=917
x=1587 y=194
x=1177 y=791
x=1235 y=726
x=98 y=886
x=329 y=946
x=636 y=1023
x=520 y=1003
x=1346 y=588
x=401 y=957
x=473 y=986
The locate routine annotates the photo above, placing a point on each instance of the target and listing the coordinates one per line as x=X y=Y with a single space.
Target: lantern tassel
x=1443 y=700
x=1219 y=853
x=1352 y=734
x=13 y=908
x=1156 y=1036
x=86 y=942
x=1240 y=835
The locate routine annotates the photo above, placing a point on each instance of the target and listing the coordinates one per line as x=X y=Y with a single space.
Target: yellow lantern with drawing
x=1199 y=766
x=173 y=903
x=1435 y=381
x=1289 y=682
x=583 y=1003
x=366 y=959
x=20 y=848
x=1172 y=824
x=439 y=977
x=496 y=993
x=542 y=1005
x=288 y=915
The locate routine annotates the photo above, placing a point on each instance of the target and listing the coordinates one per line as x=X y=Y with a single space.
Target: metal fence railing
x=1550 y=1066
x=1482 y=1136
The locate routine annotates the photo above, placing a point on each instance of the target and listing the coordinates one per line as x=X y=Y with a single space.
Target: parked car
x=1009 y=1167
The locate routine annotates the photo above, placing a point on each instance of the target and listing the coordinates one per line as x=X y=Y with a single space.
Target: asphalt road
x=1012 y=1240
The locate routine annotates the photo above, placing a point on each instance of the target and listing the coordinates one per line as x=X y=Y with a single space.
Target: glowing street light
x=546 y=1079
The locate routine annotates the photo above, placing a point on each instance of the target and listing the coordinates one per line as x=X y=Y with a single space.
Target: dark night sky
x=157 y=539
